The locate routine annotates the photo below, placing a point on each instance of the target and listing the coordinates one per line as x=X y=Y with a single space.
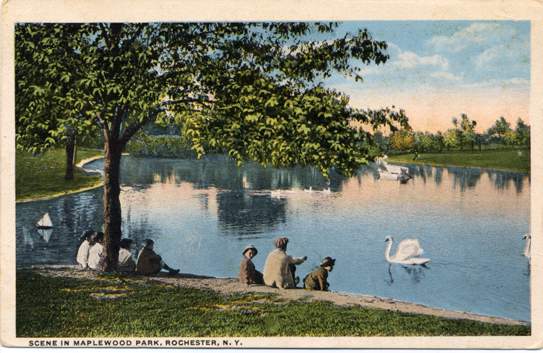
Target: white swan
x=528 y=244
x=407 y=252
x=394 y=172
x=309 y=190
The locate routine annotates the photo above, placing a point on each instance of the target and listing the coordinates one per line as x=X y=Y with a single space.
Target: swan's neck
x=387 y=250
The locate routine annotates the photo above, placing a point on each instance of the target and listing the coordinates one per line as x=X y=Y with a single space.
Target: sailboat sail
x=45 y=222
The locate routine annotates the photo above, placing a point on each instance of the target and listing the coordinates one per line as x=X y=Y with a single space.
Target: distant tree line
x=462 y=136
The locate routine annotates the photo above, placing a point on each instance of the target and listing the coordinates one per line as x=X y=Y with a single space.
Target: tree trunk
x=112 y=203
x=70 y=156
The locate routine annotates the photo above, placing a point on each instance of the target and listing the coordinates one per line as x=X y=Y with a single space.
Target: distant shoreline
x=497 y=160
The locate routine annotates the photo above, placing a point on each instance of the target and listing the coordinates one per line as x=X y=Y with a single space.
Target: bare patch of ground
x=229 y=286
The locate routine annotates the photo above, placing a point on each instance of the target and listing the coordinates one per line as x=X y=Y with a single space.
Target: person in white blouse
x=85 y=244
x=97 y=253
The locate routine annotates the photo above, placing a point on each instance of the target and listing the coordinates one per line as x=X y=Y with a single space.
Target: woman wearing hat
x=316 y=280
x=247 y=271
x=277 y=269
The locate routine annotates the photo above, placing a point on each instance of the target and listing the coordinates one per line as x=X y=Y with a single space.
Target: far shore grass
x=71 y=307
x=43 y=175
x=516 y=160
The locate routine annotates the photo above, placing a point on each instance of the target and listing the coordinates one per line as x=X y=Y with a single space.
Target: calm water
x=202 y=213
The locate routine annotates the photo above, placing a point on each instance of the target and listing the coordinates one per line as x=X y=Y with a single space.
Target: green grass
x=43 y=175
x=495 y=159
x=66 y=308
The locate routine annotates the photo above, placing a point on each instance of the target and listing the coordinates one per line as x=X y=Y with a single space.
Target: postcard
x=272 y=174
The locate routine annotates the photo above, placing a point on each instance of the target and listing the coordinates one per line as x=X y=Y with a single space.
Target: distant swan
x=528 y=245
x=407 y=252
x=309 y=190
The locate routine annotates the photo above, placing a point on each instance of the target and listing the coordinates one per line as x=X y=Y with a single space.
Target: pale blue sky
x=439 y=69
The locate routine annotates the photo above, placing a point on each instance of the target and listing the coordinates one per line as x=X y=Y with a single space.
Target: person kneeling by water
x=280 y=268
x=247 y=271
x=316 y=280
x=126 y=263
x=149 y=263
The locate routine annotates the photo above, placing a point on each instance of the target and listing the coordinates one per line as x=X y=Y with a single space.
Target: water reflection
x=243 y=214
x=468 y=178
x=202 y=213
x=415 y=274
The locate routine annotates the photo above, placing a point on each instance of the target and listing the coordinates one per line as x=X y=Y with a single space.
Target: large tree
x=253 y=90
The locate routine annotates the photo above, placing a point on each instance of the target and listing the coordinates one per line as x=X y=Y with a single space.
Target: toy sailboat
x=45 y=227
x=45 y=222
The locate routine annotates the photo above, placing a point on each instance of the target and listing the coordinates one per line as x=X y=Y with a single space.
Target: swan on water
x=309 y=190
x=394 y=172
x=407 y=253
x=528 y=244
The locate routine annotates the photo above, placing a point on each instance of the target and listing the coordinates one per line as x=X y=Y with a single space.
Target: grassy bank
x=70 y=307
x=43 y=175
x=510 y=160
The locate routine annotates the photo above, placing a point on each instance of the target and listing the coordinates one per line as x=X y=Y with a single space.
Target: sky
x=440 y=69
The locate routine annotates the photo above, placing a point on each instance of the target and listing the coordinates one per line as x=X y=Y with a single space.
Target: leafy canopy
x=253 y=90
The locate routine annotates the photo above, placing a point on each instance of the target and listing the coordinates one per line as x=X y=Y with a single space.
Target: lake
x=202 y=213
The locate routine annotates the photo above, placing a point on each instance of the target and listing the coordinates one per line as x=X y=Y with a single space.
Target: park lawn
x=66 y=308
x=42 y=176
x=508 y=160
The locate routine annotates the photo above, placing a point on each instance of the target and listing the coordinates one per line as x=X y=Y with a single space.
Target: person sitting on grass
x=247 y=271
x=126 y=263
x=317 y=279
x=280 y=268
x=149 y=263
x=82 y=255
x=97 y=253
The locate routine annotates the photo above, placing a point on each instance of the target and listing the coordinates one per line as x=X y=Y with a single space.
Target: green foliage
x=450 y=139
x=467 y=131
x=522 y=132
x=402 y=140
x=165 y=146
x=517 y=160
x=43 y=175
x=251 y=89
x=66 y=308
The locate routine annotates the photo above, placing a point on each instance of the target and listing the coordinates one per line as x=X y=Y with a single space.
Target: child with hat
x=247 y=271
x=316 y=280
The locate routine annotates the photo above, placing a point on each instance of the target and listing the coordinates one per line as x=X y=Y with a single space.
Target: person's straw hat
x=250 y=247
x=328 y=261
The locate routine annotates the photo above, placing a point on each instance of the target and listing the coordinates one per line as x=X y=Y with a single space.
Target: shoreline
x=446 y=165
x=229 y=286
x=81 y=166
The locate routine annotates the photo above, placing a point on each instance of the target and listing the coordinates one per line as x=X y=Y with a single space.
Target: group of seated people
x=91 y=254
x=280 y=269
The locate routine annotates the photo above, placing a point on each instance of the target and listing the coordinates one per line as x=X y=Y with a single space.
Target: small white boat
x=392 y=172
x=402 y=177
x=45 y=222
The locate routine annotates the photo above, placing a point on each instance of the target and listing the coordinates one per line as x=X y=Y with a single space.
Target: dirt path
x=230 y=285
